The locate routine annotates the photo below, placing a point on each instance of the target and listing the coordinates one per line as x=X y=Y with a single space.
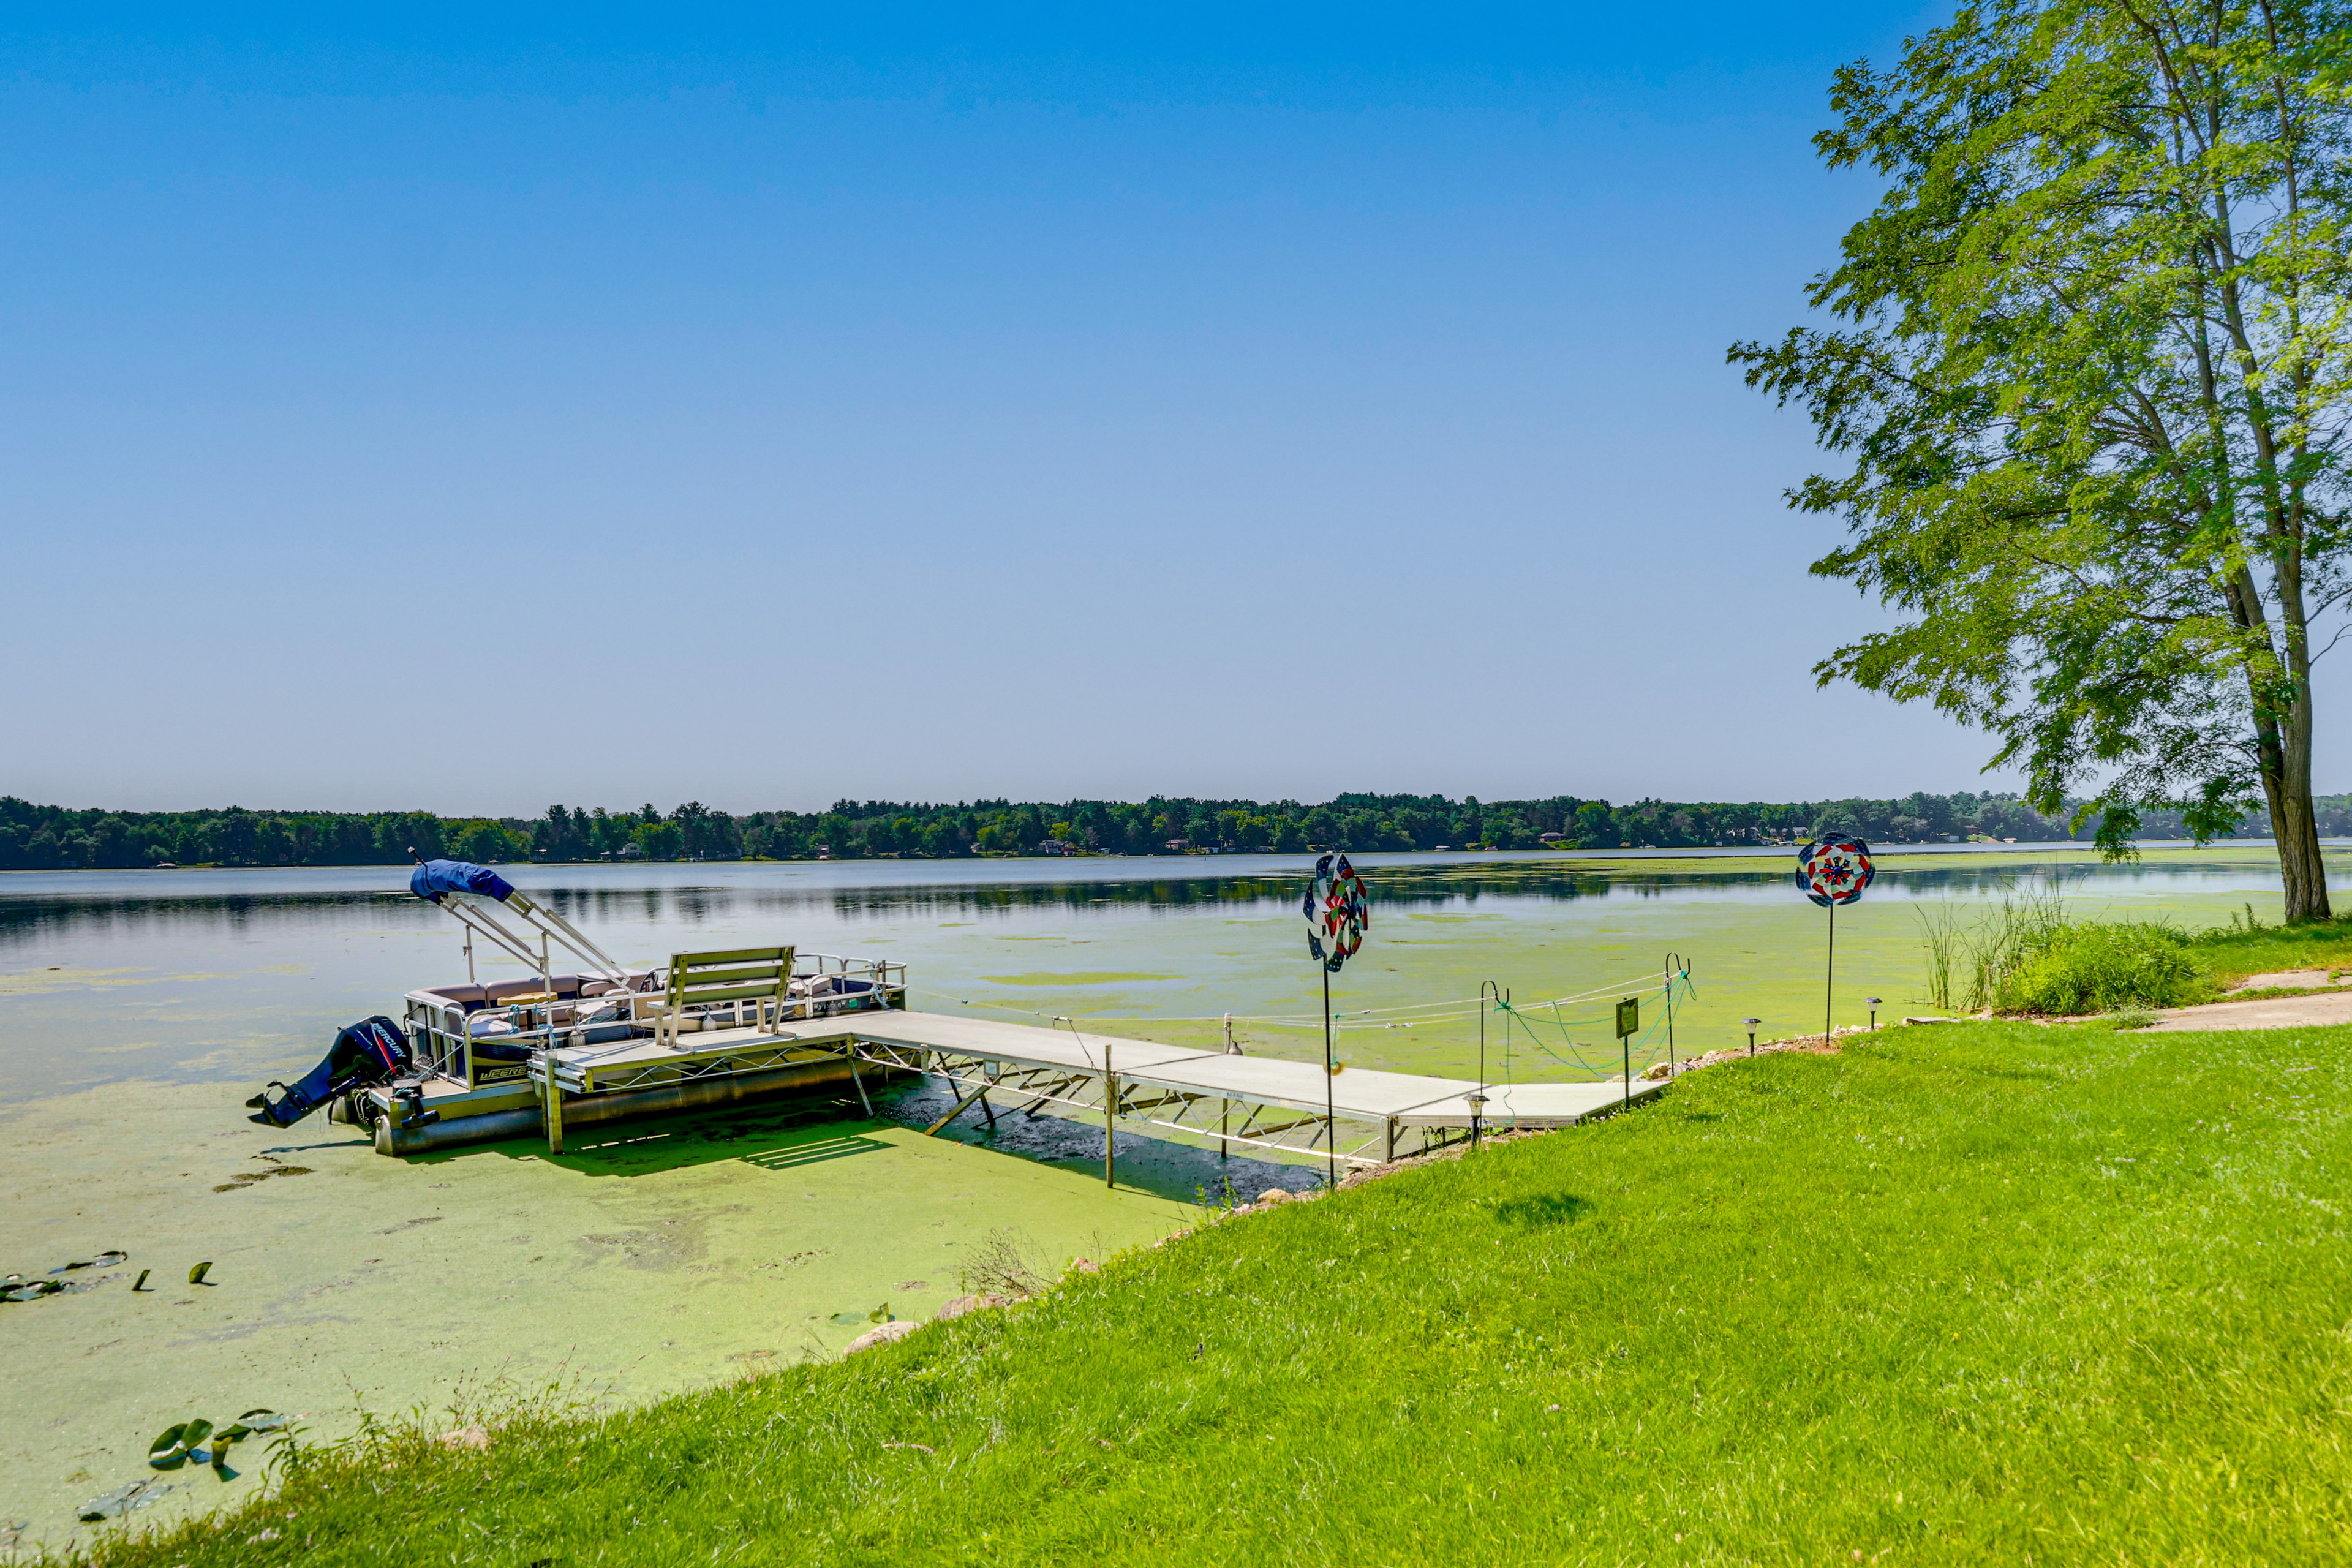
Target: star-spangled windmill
x=1336 y=915
x=1833 y=872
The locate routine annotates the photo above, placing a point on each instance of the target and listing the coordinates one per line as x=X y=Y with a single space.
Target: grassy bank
x=1988 y=1292
x=2025 y=956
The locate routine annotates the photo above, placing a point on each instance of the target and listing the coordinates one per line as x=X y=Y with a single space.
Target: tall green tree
x=2089 y=364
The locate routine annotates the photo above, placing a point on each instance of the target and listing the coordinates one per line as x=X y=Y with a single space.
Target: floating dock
x=1356 y=1116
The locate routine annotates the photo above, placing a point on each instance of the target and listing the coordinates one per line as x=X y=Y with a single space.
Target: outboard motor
x=369 y=1053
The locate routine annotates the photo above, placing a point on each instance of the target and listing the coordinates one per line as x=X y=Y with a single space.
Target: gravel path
x=2271 y=1013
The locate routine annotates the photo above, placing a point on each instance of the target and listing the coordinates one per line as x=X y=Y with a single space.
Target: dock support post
x=859 y=1084
x=555 y=1106
x=1110 y=1111
x=978 y=1094
x=1224 y=1122
x=1389 y=1151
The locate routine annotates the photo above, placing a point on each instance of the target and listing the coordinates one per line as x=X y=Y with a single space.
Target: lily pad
x=103 y=1260
x=197 y=1275
x=34 y=1291
x=169 y=1451
x=122 y=1500
x=252 y=1424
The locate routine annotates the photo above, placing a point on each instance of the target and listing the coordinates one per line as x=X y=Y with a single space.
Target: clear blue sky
x=472 y=413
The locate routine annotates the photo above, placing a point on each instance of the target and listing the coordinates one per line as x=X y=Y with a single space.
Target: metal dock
x=995 y=1068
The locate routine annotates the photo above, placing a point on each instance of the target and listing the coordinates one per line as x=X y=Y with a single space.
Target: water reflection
x=587 y=896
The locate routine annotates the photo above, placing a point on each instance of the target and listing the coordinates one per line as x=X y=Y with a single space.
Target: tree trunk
x=2292 y=822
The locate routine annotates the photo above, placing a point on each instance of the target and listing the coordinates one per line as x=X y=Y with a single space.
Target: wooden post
x=1224 y=1122
x=1110 y=1111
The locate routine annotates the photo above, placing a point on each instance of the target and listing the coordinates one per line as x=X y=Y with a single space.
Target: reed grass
x=1943 y=940
x=1981 y=1293
x=2026 y=955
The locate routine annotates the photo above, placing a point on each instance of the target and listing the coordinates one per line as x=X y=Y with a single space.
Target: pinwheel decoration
x=1835 y=871
x=1336 y=912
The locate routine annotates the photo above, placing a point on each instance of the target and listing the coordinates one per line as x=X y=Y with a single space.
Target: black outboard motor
x=368 y=1053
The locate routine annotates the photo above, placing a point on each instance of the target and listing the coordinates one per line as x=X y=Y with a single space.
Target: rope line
x=1429 y=1012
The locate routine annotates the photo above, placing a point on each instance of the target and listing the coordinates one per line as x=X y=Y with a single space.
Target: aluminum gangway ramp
x=1360 y=1116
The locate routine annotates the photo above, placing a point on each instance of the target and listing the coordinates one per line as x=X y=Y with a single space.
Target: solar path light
x=1873 y=1001
x=1751 y=1024
x=1488 y=992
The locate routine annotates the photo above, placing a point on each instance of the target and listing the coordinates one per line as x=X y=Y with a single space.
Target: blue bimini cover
x=435 y=878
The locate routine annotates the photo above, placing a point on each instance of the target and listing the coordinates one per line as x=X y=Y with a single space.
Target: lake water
x=208 y=976
x=138 y=1009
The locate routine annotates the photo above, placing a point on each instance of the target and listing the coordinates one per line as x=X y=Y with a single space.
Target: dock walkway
x=1259 y=1101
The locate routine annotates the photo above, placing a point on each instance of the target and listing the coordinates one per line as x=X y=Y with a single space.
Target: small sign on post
x=1629 y=1024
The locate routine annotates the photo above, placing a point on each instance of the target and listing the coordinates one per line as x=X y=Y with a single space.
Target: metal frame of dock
x=1260 y=1102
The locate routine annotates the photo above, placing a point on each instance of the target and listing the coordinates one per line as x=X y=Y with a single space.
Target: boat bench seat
x=568 y=987
x=760 y=975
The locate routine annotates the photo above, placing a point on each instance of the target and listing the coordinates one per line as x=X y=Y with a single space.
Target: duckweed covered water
x=137 y=1010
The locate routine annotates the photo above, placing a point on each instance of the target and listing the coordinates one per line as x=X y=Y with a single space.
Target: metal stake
x=1330 y=1095
x=1829 y=989
x=1671 y=960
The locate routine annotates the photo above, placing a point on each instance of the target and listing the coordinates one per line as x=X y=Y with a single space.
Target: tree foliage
x=2090 y=369
x=48 y=838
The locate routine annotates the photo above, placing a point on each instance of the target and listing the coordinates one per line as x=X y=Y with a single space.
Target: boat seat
x=760 y=975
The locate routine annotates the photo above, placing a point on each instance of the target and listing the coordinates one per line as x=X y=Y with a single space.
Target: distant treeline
x=44 y=837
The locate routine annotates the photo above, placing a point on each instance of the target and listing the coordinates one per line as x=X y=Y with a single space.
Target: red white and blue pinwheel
x=1835 y=871
x=1336 y=912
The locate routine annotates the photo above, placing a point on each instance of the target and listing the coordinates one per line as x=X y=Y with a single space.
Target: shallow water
x=137 y=1009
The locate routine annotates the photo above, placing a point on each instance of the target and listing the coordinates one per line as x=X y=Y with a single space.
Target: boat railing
x=445 y=1031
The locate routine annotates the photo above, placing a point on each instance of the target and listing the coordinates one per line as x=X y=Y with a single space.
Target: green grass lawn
x=2232 y=955
x=1986 y=1293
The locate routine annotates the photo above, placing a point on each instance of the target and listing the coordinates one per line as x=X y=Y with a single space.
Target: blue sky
x=469 y=414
